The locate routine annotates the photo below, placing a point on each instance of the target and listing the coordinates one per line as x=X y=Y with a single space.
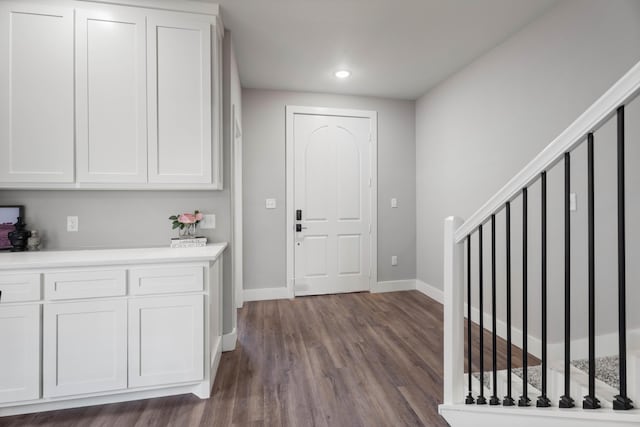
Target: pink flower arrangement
x=186 y=220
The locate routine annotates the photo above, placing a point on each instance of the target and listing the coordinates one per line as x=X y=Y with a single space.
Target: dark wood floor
x=501 y=352
x=339 y=360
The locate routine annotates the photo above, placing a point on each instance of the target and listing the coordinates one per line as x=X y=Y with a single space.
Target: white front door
x=332 y=192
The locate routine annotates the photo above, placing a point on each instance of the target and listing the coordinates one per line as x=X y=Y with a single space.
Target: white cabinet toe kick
x=81 y=328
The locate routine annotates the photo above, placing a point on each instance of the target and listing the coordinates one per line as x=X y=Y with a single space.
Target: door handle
x=299 y=228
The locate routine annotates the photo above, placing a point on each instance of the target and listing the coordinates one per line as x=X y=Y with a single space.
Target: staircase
x=590 y=391
x=606 y=378
x=607 y=386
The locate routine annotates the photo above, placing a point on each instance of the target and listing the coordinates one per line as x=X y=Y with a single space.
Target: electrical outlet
x=270 y=203
x=208 y=221
x=394 y=260
x=72 y=223
x=394 y=203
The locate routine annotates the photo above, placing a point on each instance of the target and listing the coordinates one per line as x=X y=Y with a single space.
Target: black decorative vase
x=19 y=236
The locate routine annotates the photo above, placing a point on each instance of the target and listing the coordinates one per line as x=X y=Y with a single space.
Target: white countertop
x=89 y=257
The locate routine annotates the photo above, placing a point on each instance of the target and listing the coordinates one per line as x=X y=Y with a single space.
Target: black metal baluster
x=566 y=401
x=494 y=400
x=481 y=400
x=543 y=400
x=508 y=399
x=622 y=401
x=469 y=399
x=590 y=401
x=524 y=400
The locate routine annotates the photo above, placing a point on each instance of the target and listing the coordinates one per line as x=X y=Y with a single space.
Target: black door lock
x=299 y=215
x=298 y=228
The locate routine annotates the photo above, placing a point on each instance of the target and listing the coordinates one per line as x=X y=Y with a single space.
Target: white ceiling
x=394 y=48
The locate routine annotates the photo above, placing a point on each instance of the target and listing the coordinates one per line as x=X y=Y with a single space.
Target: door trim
x=290 y=111
x=236 y=208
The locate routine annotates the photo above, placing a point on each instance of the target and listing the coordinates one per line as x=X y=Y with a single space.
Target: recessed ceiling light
x=342 y=74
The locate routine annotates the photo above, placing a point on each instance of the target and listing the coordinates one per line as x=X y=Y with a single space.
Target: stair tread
x=607 y=374
x=487 y=378
x=607 y=369
x=534 y=375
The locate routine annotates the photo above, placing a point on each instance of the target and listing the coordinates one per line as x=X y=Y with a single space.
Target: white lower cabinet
x=20 y=354
x=85 y=347
x=166 y=340
x=107 y=328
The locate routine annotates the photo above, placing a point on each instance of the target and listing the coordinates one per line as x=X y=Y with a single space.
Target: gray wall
x=116 y=219
x=478 y=128
x=264 y=177
x=121 y=219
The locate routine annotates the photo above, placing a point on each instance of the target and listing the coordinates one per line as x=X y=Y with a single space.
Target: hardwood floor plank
x=248 y=387
x=517 y=355
x=424 y=409
x=337 y=360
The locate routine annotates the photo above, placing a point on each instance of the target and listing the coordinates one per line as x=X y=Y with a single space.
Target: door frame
x=290 y=111
x=236 y=209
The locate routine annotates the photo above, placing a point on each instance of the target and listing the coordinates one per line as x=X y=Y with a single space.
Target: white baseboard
x=606 y=344
x=229 y=340
x=430 y=291
x=265 y=294
x=534 y=345
x=394 y=286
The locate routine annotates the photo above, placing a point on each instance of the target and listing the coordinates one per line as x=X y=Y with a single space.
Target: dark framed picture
x=8 y=217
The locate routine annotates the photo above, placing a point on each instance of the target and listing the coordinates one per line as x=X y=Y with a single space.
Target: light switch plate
x=270 y=203
x=573 y=204
x=72 y=223
x=394 y=260
x=208 y=221
x=394 y=203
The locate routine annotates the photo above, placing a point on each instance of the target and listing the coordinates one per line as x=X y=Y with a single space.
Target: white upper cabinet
x=36 y=94
x=111 y=96
x=101 y=96
x=179 y=90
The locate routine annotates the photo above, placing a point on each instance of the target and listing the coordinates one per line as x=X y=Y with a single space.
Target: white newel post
x=453 y=313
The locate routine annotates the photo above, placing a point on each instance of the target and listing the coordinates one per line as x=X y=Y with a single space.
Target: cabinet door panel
x=36 y=94
x=111 y=96
x=20 y=355
x=166 y=340
x=179 y=89
x=85 y=347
